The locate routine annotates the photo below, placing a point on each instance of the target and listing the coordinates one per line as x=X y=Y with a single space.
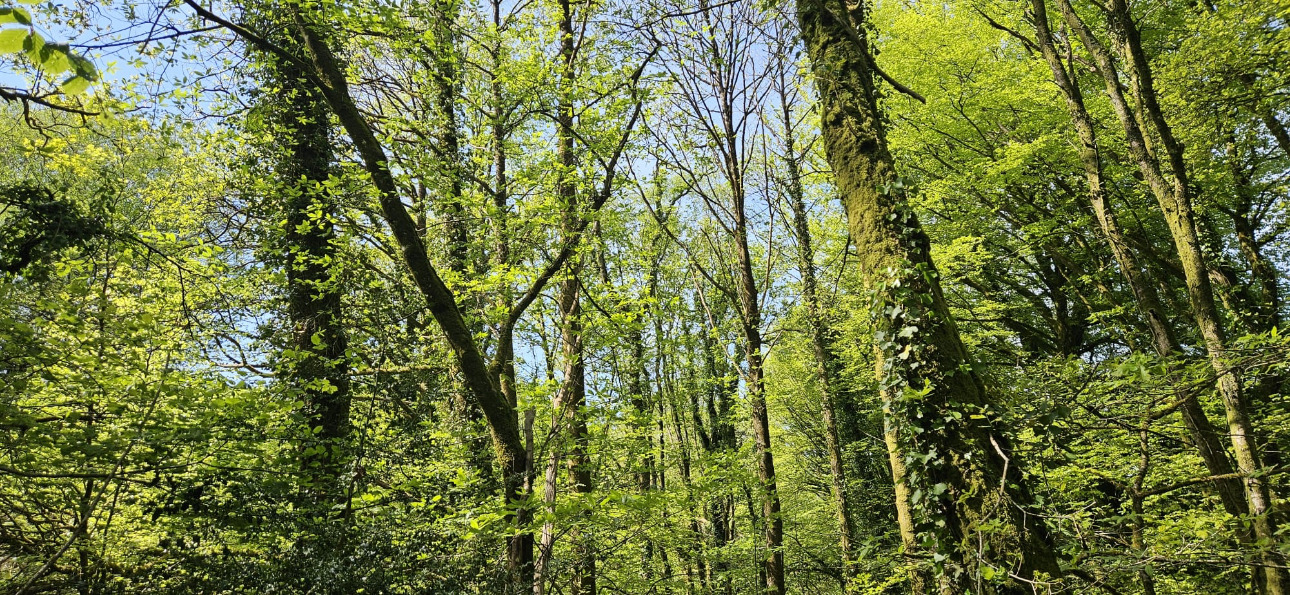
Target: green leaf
x=54 y=58
x=83 y=67
x=75 y=85
x=15 y=15
x=32 y=46
x=29 y=2
x=11 y=40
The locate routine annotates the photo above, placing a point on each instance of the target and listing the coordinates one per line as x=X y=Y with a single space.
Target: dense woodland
x=657 y=297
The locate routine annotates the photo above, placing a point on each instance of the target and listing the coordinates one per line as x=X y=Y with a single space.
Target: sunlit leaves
x=51 y=59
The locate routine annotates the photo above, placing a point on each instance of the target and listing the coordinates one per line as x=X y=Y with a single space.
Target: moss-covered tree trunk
x=1164 y=338
x=1173 y=192
x=324 y=72
x=968 y=494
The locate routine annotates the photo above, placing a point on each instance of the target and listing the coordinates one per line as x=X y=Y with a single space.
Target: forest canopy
x=669 y=296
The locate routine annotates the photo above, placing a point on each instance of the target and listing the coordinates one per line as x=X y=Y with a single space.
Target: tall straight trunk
x=750 y=322
x=446 y=85
x=642 y=427
x=936 y=402
x=502 y=370
x=571 y=400
x=448 y=199
x=773 y=523
x=583 y=579
x=320 y=370
x=719 y=438
x=642 y=406
x=1175 y=202
x=692 y=550
x=826 y=365
x=1164 y=338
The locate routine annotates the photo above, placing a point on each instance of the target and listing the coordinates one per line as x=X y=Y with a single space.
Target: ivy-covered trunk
x=323 y=70
x=968 y=495
x=315 y=366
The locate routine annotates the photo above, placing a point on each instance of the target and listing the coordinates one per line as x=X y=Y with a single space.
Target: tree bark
x=1164 y=338
x=936 y=402
x=498 y=412
x=825 y=362
x=571 y=400
x=319 y=369
x=1175 y=202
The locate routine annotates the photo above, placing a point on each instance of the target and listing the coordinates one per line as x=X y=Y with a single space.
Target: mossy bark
x=328 y=77
x=969 y=495
x=1164 y=337
x=1173 y=192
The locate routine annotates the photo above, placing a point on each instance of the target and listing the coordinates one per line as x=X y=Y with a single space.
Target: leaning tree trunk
x=1175 y=200
x=329 y=78
x=1164 y=338
x=958 y=463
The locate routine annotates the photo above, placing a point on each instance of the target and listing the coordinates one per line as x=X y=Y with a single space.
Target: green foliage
x=157 y=434
x=37 y=226
x=50 y=59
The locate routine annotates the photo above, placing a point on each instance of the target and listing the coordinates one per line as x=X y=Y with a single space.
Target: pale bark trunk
x=1175 y=201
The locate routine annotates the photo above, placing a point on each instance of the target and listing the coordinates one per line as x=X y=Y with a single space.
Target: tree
x=939 y=410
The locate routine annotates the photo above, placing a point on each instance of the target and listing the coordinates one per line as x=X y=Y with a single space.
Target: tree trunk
x=825 y=362
x=320 y=370
x=966 y=476
x=498 y=412
x=1176 y=203
x=571 y=400
x=1164 y=339
x=446 y=91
